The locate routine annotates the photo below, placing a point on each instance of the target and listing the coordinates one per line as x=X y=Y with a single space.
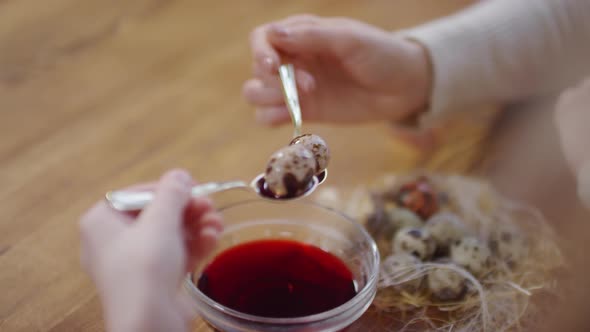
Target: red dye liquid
x=277 y=278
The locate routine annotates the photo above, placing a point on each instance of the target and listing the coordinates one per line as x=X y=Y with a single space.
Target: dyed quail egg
x=472 y=254
x=414 y=241
x=402 y=218
x=418 y=196
x=317 y=146
x=290 y=171
x=446 y=284
x=445 y=228
x=400 y=267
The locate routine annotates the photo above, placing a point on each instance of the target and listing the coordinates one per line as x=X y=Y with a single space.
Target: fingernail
x=280 y=31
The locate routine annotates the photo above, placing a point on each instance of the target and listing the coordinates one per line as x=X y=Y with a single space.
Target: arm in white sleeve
x=583 y=184
x=506 y=50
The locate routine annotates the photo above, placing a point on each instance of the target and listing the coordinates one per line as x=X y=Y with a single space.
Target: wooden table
x=98 y=94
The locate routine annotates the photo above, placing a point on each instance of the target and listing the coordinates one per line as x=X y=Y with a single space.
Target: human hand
x=138 y=262
x=572 y=117
x=347 y=71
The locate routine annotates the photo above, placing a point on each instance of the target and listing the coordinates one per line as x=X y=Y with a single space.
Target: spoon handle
x=287 y=74
x=136 y=200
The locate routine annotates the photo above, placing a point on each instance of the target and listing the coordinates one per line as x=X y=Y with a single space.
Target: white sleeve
x=583 y=184
x=506 y=50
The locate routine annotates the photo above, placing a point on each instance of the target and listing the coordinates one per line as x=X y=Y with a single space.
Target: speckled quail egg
x=445 y=228
x=509 y=245
x=400 y=267
x=446 y=284
x=290 y=171
x=414 y=241
x=403 y=218
x=472 y=254
x=317 y=146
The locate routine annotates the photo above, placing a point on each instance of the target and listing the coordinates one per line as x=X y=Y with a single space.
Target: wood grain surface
x=100 y=94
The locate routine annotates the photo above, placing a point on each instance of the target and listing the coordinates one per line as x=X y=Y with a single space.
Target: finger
x=171 y=198
x=259 y=94
x=273 y=115
x=205 y=235
x=306 y=82
x=304 y=79
x=270 y=100
x=266 y=58
x=101 y=222
x=194 y=222
x=186 y=307
x=211 y=219
x=195 y=210
x=200 y=216
x=97 y=228
x=307 y=39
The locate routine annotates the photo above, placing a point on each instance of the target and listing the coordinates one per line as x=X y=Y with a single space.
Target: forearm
x=162 y=319
x=583 y=183
x=506 y=50
x=148 y=311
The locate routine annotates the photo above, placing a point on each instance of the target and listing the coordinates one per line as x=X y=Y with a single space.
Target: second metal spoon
x=127 y=200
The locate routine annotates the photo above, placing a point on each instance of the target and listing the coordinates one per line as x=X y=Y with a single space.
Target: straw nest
x=455 y=254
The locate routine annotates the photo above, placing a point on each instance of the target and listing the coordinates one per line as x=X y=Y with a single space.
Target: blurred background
x=100 y=94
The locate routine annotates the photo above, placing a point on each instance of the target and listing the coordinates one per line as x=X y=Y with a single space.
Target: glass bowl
x=301 y=221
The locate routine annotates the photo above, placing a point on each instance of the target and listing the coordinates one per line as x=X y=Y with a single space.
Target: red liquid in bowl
x=277 y=278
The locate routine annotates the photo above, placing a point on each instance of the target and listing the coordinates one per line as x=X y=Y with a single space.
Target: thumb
x=172 y=195
x=307 y=39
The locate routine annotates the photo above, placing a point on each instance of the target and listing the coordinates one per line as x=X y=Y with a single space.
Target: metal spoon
x=287 y=74
x=124 y=200
x=289 y=85
x=137 y=200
